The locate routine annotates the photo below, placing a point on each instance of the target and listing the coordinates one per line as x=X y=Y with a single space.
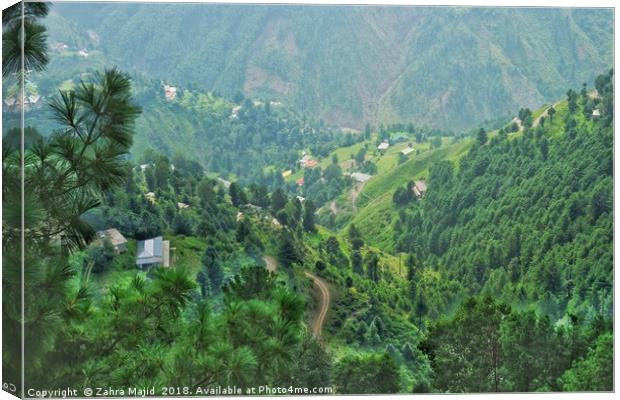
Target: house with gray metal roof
x=153 y=252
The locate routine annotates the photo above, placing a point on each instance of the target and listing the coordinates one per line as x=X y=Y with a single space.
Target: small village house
x=115 y=237
x=234 y=113
x=304 y=159
x=419 y=188
x=311 y=164
x=596 y=113
x=31 y=101
x=383 y=146
x=59 y=47
x=170 y=92
x=407 y=150
x=153 y=252
x=360 y=177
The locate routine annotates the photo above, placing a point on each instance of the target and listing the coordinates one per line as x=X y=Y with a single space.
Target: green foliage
x=101 y=256
x=486 y=346
x=212 y=270
x=482 y=137
x=530 y=212
x=313 y=365
x=64 y=175
x=309 y=210
x=366 y=374
x=288 y=251
x=595 y=371
x=525 y=218
x=28 y=49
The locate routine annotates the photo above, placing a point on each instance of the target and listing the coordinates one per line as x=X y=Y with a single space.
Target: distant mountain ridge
x=445 y=67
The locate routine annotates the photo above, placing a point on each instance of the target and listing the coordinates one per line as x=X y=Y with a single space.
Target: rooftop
x=360 y=177
x=383 y=146
x=150 y=251
x=113 y=235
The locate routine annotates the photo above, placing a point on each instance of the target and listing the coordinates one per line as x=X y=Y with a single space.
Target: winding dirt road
x=323 y=293
x=324 y=300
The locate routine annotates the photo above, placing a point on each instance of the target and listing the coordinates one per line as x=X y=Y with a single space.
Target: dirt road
x=324 y=300
x=544 y=114
x=354 y=194
x=333 y=208
x=321 y=289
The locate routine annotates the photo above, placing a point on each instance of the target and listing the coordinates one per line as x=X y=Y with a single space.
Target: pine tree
x=357 y=262
x=213 y=269
x=288 y=254
x=482 y=137
x=309 y=210
x=237 y=195
x=372 y=267
x=278 y=200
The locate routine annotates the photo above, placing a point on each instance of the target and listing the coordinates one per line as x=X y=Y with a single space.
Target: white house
x=407 y=150
x=170 y=92
x=153 y=252
x=360 y=177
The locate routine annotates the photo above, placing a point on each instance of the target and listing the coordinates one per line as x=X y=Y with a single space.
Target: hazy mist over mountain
x=446 y=67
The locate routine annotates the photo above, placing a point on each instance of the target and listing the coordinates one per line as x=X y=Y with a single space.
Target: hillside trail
x=536 y=120
x=321 y=289
x=324 y=301
x=592 y=94
x=354 y=194
x=333 y=208
x=544 y=114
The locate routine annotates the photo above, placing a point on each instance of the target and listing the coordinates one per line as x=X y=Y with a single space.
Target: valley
x=226 y=222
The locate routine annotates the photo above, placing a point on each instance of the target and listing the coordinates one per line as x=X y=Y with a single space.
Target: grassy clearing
x=375 y=208
x=415 y=168
x=384 y=162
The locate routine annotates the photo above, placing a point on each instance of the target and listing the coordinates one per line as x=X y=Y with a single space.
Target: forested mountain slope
x=495 y=274
x=236 y=138
x=525 y=217
x=445 y=67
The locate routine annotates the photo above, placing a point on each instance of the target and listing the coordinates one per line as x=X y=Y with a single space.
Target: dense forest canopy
x=526 y=219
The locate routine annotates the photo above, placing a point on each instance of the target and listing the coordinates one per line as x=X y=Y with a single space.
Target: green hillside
x=183 y=237
x=241 y=139
x=444 y=67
